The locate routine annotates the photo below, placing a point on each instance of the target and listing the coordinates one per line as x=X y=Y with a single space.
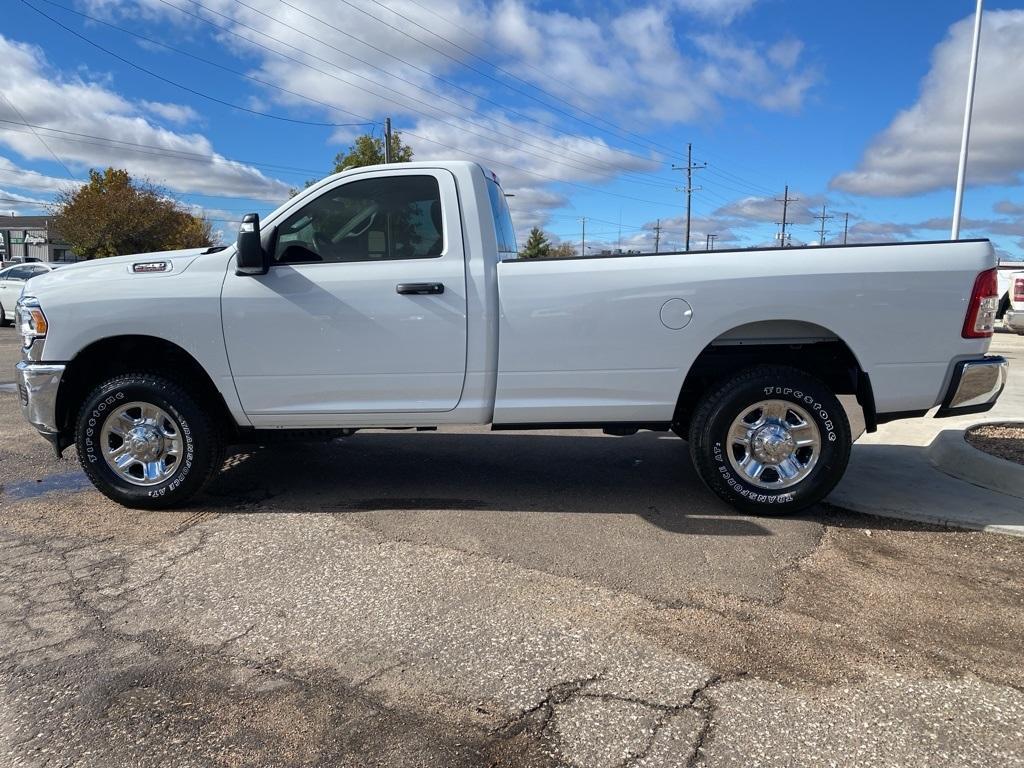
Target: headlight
x=31 y=320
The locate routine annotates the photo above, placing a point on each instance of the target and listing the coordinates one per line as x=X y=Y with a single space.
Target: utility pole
x=387 y=139
x=821 y=230
x=961 y=173
x=846 y=226
x=657 y=236
x=690 y=189
x=709 y=245
x=583 y=236
x=786 y=200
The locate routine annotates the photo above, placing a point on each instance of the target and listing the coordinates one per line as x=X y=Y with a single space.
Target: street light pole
x=961 y=174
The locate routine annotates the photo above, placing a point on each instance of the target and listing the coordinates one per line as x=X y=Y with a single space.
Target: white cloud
x=64 y=105
x=626 y=65
x=801 y=209
x=636 y=63
x=723 y=11
x=918 y=151
x=11 y=198
x=175 y=113
x=22 y=178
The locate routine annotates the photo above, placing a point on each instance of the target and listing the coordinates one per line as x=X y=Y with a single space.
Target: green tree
x=369 y=150
x=114 y=214
x=537 y=245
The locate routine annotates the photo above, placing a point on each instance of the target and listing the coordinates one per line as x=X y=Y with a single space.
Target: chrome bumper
x=37 y=388
x=1014 y=321
x=975 y=386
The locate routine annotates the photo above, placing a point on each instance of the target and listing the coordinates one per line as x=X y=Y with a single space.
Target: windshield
x=502 y=221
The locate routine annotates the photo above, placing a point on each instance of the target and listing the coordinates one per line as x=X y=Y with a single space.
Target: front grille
x=23 y=393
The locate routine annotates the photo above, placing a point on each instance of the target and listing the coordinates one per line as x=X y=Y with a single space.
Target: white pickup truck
x=392 y=296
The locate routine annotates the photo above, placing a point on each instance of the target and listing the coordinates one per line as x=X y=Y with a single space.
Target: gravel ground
x=1003 y=440
x=463 y=598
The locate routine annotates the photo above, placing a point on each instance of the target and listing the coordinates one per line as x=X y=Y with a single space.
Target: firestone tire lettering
x=714 y=415
x=202 y=442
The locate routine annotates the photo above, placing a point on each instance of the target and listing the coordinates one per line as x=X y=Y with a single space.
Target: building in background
x=32 y=238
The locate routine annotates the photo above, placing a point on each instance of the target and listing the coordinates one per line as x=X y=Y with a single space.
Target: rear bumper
x=37 y=389
x=975 y=386
x=1014 y=320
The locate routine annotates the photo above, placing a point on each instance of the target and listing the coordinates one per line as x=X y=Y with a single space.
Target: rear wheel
x=146 y=443
x=3 y=317
x=770 y=440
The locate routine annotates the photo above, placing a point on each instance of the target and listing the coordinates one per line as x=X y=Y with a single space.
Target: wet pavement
x=463 y=598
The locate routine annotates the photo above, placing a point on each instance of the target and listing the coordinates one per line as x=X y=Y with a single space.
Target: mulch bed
x=1003 y=440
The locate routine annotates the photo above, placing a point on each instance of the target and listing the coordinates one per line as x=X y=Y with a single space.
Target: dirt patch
x=1005 y=441
x=876 y=595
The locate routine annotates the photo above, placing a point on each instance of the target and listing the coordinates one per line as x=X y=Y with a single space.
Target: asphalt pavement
x=468 y=598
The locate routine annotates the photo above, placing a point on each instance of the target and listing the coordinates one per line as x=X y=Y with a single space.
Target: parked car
x=392 y=296
x=12 y=280
x=1013 y=318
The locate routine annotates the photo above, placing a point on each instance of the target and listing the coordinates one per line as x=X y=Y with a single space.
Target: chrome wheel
x=774 y=444
x=141 y=443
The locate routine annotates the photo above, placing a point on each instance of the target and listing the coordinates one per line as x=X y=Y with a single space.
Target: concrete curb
x=950 y=453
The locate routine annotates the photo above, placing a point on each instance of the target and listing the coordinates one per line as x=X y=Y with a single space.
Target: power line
x=496 y=80
x=556 y=153
x=41 y=139
x=183 y=87
x=152 y=149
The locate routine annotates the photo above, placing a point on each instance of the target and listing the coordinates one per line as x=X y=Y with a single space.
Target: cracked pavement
x=469 y=599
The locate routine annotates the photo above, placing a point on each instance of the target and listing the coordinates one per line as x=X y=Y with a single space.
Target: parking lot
x=475 y=598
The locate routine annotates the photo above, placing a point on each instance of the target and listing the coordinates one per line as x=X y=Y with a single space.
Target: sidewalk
x=890 y=473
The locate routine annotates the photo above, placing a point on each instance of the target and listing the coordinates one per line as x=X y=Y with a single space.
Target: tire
x=3 y=318
x=171 y=445
x=790 y=479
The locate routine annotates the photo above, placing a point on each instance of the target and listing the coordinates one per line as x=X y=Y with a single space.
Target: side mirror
x=251 y=259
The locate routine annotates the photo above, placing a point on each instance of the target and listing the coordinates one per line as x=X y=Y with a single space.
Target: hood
x=177 y=260
x=138 y=266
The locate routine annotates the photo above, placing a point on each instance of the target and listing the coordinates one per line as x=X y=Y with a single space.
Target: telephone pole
x=709 y=244
x=846 y=226
x=387 y=139
x=583 y=236
x=821 y=230
x=690 y=189
x=657 y=236
x=786 y=200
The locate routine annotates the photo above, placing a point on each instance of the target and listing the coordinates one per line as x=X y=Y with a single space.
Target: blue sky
x=580 y=109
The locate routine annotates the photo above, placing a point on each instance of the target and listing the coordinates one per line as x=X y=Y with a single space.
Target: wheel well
x=829 y=359
x=116 y=355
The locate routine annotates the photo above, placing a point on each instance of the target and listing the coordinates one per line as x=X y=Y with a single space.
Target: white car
x=393 y=296
x=12 y=280
x=1013 y=317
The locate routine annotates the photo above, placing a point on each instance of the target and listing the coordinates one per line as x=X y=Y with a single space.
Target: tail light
x=982 y=308
x=1018 y=289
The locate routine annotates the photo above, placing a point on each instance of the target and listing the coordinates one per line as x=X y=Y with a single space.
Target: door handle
x=419 y=289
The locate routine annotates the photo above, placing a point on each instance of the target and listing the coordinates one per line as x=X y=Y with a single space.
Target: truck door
x=363 y=310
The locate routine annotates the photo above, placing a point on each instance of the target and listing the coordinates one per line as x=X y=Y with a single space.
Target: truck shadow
x=647 y=475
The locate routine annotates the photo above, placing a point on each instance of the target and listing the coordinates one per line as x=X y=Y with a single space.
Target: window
x=23 y=272
x=398 y=217
x=502 y=220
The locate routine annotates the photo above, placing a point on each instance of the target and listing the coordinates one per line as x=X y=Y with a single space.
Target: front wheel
x=771 y=440
x=146 y=443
